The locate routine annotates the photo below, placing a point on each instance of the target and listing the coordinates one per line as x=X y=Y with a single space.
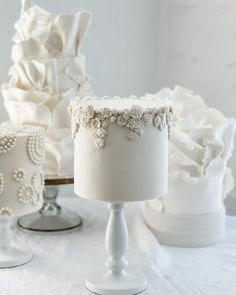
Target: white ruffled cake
x=48 y=70
x=121 y=148
x=22 y=155
x=201 y=143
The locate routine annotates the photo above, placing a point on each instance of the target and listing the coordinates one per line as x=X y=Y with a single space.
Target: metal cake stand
x=51 y=217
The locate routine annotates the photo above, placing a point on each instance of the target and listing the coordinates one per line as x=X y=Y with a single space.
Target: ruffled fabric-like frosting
x=200 y=146
x=48 y=71
x=58 y=34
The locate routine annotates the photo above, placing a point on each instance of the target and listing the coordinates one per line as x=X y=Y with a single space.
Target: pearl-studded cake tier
x=121 y=148
x=22 y=154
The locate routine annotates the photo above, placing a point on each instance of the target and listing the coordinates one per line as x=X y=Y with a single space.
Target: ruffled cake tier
x=49 y=75
x=48 y=71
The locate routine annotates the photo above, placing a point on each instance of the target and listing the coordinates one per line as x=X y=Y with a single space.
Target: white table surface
x=61 y=261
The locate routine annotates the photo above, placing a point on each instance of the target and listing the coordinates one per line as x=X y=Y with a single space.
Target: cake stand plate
x=51 y=217
x=12 y=257
x=108 y=283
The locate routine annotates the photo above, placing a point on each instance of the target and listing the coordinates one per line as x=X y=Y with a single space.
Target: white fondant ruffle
x=50 y=75
x=58 y=144
x=61 y=33
x=201 y=144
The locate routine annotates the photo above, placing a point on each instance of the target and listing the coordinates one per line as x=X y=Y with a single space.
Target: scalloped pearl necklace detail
x=36 y=149
x=135 y=120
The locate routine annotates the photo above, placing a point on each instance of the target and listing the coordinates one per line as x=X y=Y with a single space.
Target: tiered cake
x=121 y=148
x=48 y=70
x=22 y=154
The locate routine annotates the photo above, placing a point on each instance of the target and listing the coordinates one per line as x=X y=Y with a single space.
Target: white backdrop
x=140 y=46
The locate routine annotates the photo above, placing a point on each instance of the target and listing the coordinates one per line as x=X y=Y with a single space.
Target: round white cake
x=121 y=148
x=22 y=154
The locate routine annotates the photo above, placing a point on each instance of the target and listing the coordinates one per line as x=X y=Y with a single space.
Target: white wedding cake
x=201 y=144
x=121 y=148
x=22 y=154
x=48 y=71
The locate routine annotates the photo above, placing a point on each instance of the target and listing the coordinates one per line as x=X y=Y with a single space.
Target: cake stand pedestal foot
x=116 y=279
x=108 y=283
x=51 y=217
x=11 y=256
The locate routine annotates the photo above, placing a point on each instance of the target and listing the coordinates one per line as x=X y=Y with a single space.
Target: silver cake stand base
x=51 y=217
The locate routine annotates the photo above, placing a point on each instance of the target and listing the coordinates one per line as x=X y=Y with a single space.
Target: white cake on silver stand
x=22 y=154
x=121 y=155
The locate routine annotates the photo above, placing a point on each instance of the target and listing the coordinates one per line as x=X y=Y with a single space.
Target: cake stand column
x=51 y=217
x=117 y=279
x=10 y=256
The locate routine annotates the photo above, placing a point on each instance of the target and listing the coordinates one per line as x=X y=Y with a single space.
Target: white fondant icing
x=122 y=171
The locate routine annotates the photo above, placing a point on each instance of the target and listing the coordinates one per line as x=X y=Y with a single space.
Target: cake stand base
x=108 y=283
x=64 y=221
x=117 y=278
x=51 y=217
x=13 y=256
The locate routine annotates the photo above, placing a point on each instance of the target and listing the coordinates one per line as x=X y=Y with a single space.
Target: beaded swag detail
x=135 y=120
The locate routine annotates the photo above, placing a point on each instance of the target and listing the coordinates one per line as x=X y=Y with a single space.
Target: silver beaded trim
x=36 y=148
x=2 y=182
x=18 y=174
x=135 y=119
x=7 y=143
x=5 y=211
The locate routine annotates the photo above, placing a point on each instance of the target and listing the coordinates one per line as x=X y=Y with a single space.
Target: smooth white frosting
x=122 y=171
x=48 y=71
x=21 y=169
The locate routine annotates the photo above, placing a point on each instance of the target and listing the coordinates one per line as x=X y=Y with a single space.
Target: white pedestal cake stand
x=11 y=255
x=51 y=217
x=116 y=279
